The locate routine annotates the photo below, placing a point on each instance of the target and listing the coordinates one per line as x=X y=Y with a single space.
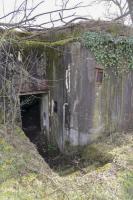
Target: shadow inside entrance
x=30 y=116
x=67 y=165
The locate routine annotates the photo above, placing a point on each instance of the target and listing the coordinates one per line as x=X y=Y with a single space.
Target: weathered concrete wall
x=86 y=109
x=81 y=95
x=72 y=72
x=44 y=114
x=117 y=104
x=84 y=99
x=56 y=64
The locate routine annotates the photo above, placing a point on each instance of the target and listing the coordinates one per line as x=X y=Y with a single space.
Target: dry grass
x=24 y=174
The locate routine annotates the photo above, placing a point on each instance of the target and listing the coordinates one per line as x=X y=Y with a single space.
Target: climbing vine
x=111 y=51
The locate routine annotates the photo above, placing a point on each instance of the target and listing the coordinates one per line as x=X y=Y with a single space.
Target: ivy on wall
x=111 y=51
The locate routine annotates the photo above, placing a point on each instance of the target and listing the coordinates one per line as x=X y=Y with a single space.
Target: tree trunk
x=130 y=6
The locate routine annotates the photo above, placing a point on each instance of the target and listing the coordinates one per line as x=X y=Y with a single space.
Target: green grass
x=107 y=174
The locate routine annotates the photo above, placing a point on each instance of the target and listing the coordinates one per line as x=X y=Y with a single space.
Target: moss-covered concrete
x=40 y=44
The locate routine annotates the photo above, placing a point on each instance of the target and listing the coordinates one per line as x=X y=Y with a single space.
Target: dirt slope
x=103 y=171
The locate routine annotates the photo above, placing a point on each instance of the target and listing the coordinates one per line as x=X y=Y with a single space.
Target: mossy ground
x=24 y=174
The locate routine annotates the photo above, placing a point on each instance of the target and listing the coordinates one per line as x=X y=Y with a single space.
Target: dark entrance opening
x=31 y=121
x=33 y=115
x=30 y=116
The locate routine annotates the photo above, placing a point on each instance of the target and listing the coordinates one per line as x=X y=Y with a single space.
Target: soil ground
x=101 y=171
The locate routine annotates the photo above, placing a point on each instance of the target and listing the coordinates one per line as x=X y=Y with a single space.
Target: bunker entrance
x=35 y=124
x=34 y=115
x=35 y=120
x=30 y=115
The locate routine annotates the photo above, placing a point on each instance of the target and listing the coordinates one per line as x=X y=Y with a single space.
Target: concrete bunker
x=84 y=98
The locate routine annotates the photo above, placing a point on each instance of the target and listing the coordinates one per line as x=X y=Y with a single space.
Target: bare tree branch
x=27 y=20
x=121 y=12
x=122 y=16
